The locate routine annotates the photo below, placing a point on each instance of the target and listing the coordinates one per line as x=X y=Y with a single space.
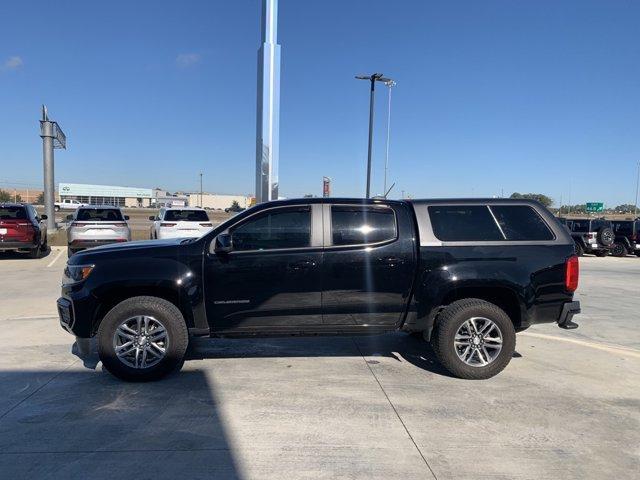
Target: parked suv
x=591 y=235
x=22 y=229
x=466 y=274
x=180 y=223
x=92 y=226
x=627 y=237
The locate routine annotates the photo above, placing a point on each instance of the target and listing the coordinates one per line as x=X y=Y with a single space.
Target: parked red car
x=22 y=229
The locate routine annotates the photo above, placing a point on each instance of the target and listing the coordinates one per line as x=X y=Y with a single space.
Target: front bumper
x=569 y=309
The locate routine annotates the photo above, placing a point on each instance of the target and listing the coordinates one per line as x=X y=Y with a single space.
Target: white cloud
x=12 y=63
x=185 y=60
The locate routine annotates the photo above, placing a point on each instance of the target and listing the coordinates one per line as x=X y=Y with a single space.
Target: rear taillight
x=206 y=225
x=168 y=224
x=571 y=274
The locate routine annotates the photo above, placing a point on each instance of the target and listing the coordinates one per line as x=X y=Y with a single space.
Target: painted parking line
x=598 y=346
x=56 y=258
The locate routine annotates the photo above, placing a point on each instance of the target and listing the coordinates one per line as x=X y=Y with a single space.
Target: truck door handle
x=391 y=261
x=301 y=265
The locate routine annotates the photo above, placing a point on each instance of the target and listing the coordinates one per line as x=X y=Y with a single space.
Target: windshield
x=99 y=215
x=186 y=216
x=13 y=213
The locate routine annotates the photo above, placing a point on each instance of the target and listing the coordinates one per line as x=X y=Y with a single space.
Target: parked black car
x=591 y=235
x=467 y=274
x=22 y=229
x=627 y=237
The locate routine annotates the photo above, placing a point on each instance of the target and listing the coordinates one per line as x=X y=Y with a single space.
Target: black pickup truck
x=466 y=274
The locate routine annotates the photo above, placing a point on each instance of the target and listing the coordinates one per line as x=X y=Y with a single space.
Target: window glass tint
x=289 y=228
x=519 y=222
x=99 y=215
x=186 y=215
x=359 y=225
x=463 y=223
x=13 y=213
x=580 y=226
x=623 y=228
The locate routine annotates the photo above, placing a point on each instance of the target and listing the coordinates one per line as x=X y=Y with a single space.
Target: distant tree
x=40 y=199
x=625 y=208
x=17 y=198
x=543 y=199
x=5 y=196
x=308 y=195
x=235 y=205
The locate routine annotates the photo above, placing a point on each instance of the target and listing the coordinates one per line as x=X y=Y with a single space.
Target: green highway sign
x=595 y=207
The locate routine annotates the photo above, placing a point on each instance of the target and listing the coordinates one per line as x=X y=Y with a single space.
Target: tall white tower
x=268 y=117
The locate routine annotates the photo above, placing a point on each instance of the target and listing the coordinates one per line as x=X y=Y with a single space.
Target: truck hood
x=134 y=249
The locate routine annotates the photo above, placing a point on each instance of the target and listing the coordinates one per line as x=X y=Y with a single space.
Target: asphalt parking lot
x=568 y=405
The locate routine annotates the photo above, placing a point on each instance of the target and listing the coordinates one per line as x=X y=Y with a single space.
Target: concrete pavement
x=368 y=407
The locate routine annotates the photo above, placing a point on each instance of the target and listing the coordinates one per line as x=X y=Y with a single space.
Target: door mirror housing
x=126 y=217
x=223 y=244
x=69 y=217
x=152 y=218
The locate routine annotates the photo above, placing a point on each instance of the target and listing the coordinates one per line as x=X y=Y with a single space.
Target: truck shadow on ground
x=398 y=346
x=78 y=424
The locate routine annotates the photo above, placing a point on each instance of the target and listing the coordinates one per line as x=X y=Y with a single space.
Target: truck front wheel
x=474 y=339
x=143 y=339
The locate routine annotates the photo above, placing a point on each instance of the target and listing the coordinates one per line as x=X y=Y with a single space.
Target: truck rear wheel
x=618 y=250
x=474 y=339
x=143 y=339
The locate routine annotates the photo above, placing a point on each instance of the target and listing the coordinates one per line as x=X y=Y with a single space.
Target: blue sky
x=528 y=96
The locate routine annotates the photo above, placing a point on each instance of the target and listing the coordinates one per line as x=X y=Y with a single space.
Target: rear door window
x=519 y=223
x=99 y=215
x=359 y=225
x=464 y=223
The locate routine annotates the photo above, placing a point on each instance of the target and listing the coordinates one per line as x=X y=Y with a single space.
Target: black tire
x=579 y=250
x=605 y=236
x=601 y=253
x=618 y=250
x=168 y=314
x=451 y=320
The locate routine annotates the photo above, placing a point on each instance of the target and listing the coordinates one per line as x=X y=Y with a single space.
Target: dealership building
x=106 y=194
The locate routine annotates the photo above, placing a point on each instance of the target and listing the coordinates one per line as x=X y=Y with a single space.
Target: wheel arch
x=118 y=294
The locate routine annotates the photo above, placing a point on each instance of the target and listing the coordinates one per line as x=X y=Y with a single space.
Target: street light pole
x=373 y=78
x=390 y=84
x=201 y=190
x=635 y=211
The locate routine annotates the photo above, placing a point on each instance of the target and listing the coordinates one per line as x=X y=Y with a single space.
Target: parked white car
x=68 y=204
x=180 y=223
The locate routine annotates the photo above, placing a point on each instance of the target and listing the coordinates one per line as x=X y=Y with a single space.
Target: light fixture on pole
x=373 y=78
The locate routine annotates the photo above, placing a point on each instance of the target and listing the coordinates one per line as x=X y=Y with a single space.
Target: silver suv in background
x=95 y=225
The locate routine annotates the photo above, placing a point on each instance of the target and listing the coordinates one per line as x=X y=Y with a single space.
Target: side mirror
x=69 y=217
x=152 y=218
x=43 y=217
x=126 y=217
x=223 y=243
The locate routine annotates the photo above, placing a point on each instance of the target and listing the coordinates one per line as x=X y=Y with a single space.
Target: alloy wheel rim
x=140 y=342
x=478 y=342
